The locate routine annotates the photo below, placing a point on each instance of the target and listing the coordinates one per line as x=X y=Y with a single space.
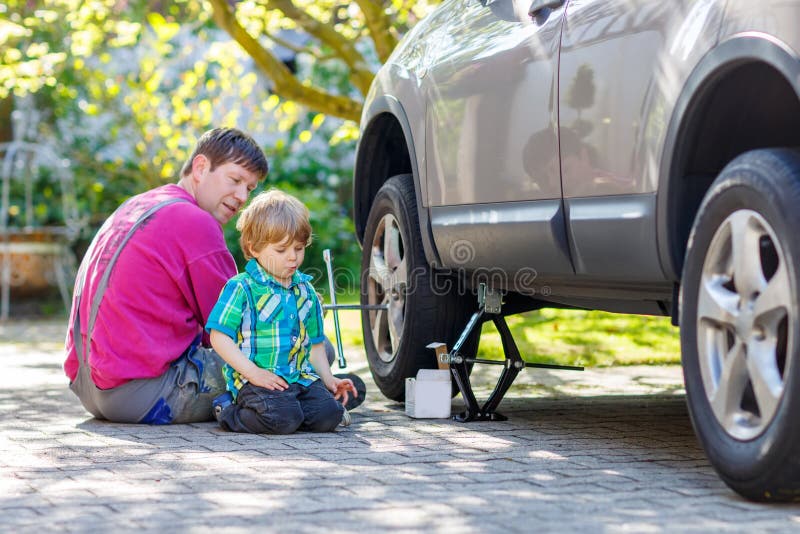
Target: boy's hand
x=229 y=351
x=340 y=388
x=267 y=380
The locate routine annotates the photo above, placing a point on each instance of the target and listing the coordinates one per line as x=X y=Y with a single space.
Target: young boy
x=267 y=326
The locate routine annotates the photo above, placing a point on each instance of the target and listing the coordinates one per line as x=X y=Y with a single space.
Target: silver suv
x=634 y=156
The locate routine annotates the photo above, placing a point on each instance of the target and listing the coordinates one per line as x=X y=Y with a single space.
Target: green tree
x=163 y=68
x=41 y=40
x=128 y=85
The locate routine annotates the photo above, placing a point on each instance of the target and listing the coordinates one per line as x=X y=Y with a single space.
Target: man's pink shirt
x=161 y=290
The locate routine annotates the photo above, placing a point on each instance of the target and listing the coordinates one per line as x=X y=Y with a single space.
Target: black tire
x=740 y=325
x=425 y=309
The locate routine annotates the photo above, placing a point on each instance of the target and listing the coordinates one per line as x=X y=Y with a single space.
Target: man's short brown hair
x=229 y=145
x=271 y=217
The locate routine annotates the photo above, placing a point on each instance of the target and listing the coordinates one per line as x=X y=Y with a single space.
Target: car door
x=493 y=180
x=622 y=64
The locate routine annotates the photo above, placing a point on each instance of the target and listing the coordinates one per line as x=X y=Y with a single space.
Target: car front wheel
x=422 y=306
x=740 y=325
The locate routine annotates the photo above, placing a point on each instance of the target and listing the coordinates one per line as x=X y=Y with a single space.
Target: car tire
x=424 y=306
x=740 y=325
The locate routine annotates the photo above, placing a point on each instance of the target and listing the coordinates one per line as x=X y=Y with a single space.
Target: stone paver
x=601 y=451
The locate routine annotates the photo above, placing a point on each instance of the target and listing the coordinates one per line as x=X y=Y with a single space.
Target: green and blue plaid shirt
x=273 y=325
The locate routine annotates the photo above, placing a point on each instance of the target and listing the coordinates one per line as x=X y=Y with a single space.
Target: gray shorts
x=183 y=394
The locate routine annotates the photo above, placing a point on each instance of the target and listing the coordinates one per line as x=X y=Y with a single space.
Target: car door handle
x=538 y=5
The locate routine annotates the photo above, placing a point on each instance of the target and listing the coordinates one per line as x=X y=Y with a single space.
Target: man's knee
x=354 y=401
x=209 y=371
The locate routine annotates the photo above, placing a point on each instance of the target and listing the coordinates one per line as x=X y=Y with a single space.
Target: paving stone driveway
x=599 y=451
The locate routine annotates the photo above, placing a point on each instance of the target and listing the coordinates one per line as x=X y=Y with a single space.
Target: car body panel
x=403 y=102
x=492 y=115
x=380 y=106
x=768 y=17
x=491 y=138
x=615 y=234
x=622 y=65
x=504 y=236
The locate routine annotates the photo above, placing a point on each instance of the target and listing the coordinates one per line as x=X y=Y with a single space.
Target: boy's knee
x=248 y=419
x=327 y=419
x=283 y=421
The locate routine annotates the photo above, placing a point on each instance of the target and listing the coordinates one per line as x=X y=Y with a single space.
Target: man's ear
x=200 y=166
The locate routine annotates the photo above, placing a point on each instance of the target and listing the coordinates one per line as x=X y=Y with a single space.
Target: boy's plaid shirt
x=273 y=325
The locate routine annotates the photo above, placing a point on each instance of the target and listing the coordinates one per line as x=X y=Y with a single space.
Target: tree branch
x=380 y=28
x=289 y=46
x=360 y=74
x=285 y=83
x=317 y=54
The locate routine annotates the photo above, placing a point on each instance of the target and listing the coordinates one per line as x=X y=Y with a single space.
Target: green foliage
x=46 y=207
x=127 y=91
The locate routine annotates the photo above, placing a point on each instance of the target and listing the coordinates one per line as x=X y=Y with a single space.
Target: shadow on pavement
x=562 y=462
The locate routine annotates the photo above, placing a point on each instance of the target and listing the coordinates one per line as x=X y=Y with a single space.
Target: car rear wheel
x=740 y=325
x=422 y=306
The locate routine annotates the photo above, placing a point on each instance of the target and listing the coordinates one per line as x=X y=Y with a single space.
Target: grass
x=588 y=338
x=563 y=337
x=349 y=326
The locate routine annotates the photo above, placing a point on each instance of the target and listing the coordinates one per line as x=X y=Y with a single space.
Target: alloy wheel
x=387 y=283
x=742 y=324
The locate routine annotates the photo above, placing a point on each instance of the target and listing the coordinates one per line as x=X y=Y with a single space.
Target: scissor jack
x=489 y=303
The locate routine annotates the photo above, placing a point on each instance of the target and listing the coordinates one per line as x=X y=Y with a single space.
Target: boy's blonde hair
x=271 y=217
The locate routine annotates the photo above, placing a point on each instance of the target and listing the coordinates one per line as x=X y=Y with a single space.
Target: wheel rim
x=388 y=279
x=743 y=337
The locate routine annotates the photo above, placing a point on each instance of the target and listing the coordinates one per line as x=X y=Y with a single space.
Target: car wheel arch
x=384 y=123
x=680 y=189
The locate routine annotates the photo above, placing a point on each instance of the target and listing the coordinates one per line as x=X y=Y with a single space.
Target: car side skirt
x=523 y=238
x=614 y=237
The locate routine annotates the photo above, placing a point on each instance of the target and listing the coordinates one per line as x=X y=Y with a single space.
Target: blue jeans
x=263 y=411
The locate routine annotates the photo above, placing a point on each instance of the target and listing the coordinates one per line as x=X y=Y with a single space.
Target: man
x=147 y=283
